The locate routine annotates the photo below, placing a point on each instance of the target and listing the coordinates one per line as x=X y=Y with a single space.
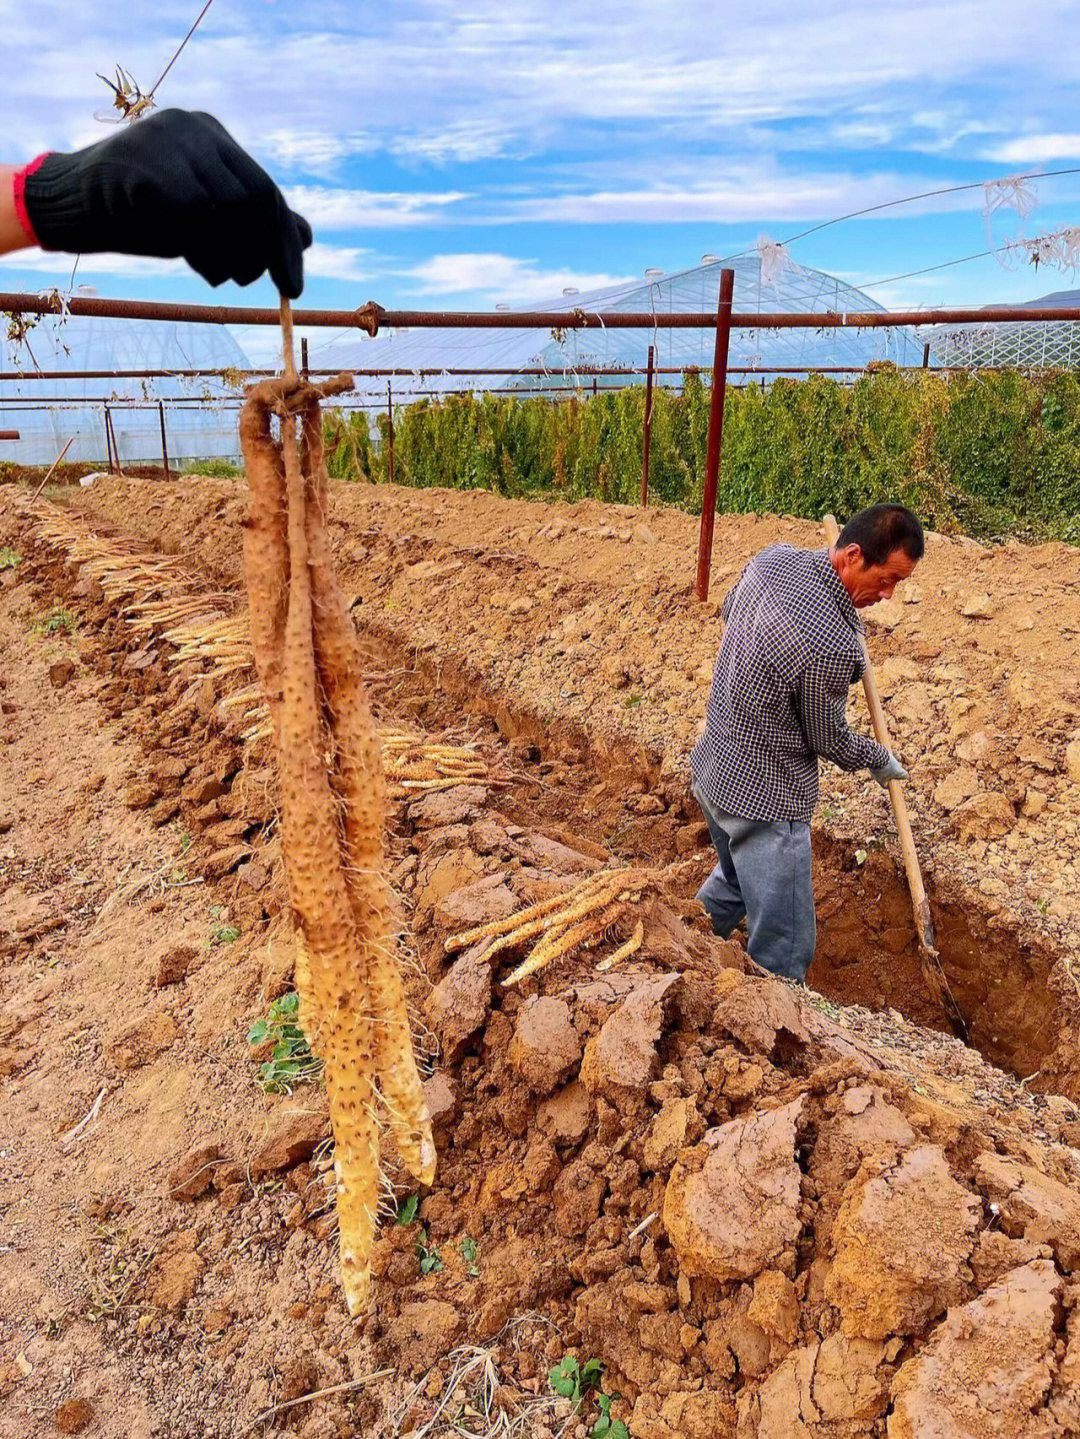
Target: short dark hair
x=882 y=530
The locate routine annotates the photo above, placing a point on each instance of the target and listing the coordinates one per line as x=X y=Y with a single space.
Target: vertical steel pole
x=164 y=442
x=716 y=432
x=389 y=433
x=303 y=357
x=926 y=356
x=594 y=387
x=108 y=440
x=647 y=434
x=115 y=447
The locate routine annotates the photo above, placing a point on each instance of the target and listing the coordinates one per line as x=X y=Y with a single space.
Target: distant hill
x=1061 y=298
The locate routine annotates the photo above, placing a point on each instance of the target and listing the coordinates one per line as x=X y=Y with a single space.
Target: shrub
x=989 y=453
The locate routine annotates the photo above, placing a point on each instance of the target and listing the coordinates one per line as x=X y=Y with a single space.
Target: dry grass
x=477 y=1403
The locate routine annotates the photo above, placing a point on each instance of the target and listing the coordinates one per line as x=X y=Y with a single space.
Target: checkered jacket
x=779 y=692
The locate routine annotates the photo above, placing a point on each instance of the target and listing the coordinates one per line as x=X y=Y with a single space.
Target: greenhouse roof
x=1053 y=344
x=795 y=289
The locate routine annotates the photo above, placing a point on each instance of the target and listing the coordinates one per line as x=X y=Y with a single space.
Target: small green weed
x=185 y=841
x=469 y=1251
x=291 y=1061
x=1042 y=904
x=223 y=934
x=574 y=1382
x=631 y=702
x=407 y=1210
x=57 y=619
x=606 y=1427
x=9 y=560
x=429 y=1257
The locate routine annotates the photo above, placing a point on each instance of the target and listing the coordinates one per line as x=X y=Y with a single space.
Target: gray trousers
x=763 y=872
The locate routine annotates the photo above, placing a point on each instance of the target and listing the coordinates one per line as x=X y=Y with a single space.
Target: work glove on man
x=893 y=769
x=173 y=184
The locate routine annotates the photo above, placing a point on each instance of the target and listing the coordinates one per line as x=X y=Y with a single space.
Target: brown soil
x=575 y=629
x=768 y=1216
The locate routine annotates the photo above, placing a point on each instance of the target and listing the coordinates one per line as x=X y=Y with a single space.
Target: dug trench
x=1020 y=1011
x=765 y=1215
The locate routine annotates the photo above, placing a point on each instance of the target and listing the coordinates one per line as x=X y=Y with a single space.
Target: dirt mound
x=765 y=1215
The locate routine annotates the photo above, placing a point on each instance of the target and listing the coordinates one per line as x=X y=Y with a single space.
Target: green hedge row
x=990 y=454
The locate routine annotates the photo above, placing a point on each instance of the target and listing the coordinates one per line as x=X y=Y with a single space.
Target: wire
x=1010 y=247
x=183 y=42
x=910 y=200
x=927 y=195
x=929 y=269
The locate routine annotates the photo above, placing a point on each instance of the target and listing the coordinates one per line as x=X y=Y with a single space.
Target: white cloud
x=59 y=266
x=436 y=83
x=336 y=262
x=503 y=277
x=333 y=262
x=728 y=196
x=328 y=209
x=1036 y=149
x=468 y=140
x=315 y=152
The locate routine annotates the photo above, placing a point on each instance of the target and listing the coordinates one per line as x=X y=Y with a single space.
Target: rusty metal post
x=389 y=433
x=164 y=443
x=647 y=429
x=303 y=357
x=716 y=432
x=926 y=356
x=9 y=434
x=115 y=446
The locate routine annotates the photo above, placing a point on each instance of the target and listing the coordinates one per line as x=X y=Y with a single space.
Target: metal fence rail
x=371 y=318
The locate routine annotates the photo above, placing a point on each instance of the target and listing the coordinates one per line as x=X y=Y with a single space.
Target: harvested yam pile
x=333 y=814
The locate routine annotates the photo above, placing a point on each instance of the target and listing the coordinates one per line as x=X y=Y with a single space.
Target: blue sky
x=493 y=151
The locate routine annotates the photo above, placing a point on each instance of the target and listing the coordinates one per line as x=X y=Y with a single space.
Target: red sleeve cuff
x=19 y=186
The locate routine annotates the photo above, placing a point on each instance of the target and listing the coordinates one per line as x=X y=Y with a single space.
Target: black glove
x=175 y=183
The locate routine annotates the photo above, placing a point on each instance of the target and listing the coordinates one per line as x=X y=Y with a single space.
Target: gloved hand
x=892 y=770
x=175 y=183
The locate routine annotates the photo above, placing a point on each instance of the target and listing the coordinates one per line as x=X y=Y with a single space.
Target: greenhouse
x=48 y=412
x=1049 y=344
x=760 y=287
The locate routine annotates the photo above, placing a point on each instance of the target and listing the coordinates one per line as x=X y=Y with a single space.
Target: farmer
x=779 y=695
x=173 y=184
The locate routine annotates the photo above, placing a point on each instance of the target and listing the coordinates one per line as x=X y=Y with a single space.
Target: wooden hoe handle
x=919 y=901
x=931 y=960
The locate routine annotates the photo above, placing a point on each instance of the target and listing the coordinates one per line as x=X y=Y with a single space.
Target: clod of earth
x=731 y=1208
x=904 y=1235
x=988 y=1367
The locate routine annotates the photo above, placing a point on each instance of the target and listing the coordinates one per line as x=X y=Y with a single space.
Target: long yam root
x=332 y=817
x=561 y=923
x=359 y=783
x=311 y=847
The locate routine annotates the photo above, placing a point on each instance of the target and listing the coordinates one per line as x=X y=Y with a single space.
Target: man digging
x=789 y=654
